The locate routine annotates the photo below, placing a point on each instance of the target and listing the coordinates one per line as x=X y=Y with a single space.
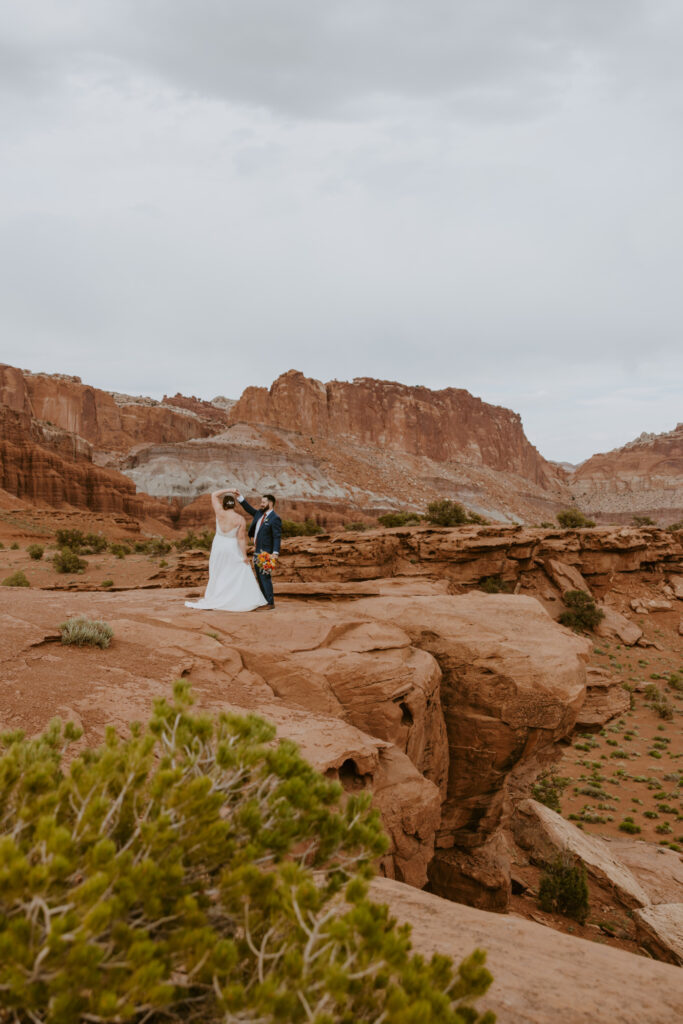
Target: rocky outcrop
x=445 y=426
x=540 y=977
x=47 y=467
x=463 y=557
x=443 y=707
x=645 y=880
x=644 y=477
x=109 y=422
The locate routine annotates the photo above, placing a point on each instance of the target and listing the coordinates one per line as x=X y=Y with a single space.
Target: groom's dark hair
x=270 y=498
x=228 y=501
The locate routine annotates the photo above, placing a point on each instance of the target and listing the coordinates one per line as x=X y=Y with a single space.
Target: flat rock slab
x=660 y=929
x=543 y=832
x=540 y=976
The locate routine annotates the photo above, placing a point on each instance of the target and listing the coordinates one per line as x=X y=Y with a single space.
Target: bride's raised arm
x=216 y=499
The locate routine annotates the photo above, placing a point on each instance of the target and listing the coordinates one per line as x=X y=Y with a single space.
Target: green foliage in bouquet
x=199 y=872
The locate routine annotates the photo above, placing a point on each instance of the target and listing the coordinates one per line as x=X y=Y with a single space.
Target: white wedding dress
x=232 y=586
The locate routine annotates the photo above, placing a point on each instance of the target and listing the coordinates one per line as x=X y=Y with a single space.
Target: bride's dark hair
x=228 y=501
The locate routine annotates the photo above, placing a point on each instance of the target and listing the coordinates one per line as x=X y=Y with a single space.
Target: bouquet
x=265 y=562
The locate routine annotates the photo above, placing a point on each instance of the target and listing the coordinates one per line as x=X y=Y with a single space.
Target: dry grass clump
x=85 y=632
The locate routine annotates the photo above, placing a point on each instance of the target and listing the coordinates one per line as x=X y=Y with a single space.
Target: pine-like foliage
x=198 y=871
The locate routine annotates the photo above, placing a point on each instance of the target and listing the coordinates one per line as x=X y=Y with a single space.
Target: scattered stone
x=660 y=929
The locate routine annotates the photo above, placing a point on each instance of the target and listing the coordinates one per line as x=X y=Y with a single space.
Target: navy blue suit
x=268 y=539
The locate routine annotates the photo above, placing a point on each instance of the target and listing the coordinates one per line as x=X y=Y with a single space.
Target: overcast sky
x=197 y=195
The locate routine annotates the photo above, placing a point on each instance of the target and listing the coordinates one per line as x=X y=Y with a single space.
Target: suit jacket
x=270 y=534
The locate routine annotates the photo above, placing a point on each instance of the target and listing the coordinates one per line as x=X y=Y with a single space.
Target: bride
x=232 y=586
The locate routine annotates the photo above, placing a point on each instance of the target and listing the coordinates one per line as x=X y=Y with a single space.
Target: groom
x=266 y=530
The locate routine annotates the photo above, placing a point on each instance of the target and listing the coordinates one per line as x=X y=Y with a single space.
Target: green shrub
x=495 y=585
x=73 y=539
x=94 y=544
x=155 y=546
x=169 y=877
x=68 y=560
x=548 y=789
x=202 y=540
x=563 y=888
x=451 y=513
x=357 y=526
x=628 y=825
x=85 y=632
x=582 y=613
x=17 y=579
x=120 y=550
x=308 y=528
x=573 y=519
x=390 y=519
x=35 y=551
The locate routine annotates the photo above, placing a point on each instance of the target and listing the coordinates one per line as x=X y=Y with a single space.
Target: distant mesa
x=338 y=451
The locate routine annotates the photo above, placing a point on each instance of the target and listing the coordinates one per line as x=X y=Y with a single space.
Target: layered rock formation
x=644 y=477
x=443 y=707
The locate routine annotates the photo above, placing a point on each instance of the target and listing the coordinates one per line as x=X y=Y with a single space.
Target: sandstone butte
x=644 y=477
x=338 y=450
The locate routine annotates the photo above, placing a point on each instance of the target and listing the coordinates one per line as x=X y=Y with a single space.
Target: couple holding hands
x=232 y=586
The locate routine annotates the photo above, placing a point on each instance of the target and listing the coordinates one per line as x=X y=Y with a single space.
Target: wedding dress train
x=232 y=586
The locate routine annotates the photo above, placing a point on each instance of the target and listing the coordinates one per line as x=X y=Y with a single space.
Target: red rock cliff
x=109 y=422
x=448 y=425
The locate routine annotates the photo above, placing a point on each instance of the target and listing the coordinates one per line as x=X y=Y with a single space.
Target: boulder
x=616 y=626
x=539 y=976
x=565 y=577
x=605 y=699
x=660 y=929
x=544 y=834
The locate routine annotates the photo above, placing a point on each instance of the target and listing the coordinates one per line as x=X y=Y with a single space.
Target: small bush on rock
x=17 y=579
x=572 y=518
x=451 y=513
x=68 y=560
x=390 y=519
x=191 y=539
x=308 y=528
x=582 y=613
x=548 y=789
x=85 y=632
x=563 y=888
x=170 y=877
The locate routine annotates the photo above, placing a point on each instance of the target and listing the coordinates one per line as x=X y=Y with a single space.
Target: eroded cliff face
x=644 y=477
x=42 y=464
x=445 y=426
x=109 y=422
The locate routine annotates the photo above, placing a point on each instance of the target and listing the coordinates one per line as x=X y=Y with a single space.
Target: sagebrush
x=85 y=632
x=199 y=872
